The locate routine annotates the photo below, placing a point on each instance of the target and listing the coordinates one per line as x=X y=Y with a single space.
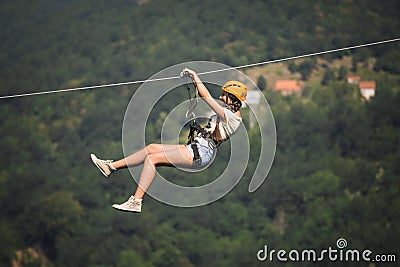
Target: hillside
x=335 y=173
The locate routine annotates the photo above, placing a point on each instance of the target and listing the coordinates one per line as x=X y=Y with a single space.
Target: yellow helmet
x=236 y=88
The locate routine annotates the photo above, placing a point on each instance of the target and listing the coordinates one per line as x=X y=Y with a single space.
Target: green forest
x=336 y=171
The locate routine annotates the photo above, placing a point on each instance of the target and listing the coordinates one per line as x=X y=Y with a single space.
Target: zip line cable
x=303 y=56
x=202 y=73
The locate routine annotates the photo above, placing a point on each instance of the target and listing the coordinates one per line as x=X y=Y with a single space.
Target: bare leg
x=139 y=157
x=132 y=160
x=151 y=156
x=161 y=155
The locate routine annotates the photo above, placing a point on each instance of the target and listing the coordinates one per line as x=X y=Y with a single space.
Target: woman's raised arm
x=205 y=94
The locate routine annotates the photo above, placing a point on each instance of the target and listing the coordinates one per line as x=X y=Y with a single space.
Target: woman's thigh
x=157 y=148
x=177 y=155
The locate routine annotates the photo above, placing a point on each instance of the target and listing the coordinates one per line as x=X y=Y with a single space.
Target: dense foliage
x=335 y=174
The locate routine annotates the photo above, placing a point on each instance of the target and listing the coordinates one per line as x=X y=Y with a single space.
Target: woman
x=199 y=153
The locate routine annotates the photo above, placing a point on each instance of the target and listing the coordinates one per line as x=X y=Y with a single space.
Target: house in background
x=287 y=87
x=353 y=79
x=367 y=88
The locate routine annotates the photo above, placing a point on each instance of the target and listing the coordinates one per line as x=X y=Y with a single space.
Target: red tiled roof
x=287 y=85
x=367 y=85
x=354 y=78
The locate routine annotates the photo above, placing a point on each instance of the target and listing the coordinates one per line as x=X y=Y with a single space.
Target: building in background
x=367 y=89
x=287 y=87
x=353 y=79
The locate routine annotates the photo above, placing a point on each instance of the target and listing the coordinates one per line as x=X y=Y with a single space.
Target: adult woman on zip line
x=198 y=152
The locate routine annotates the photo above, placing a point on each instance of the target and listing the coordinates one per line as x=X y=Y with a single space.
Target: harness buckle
x=196 y=156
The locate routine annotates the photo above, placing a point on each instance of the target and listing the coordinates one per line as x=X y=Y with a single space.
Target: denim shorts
x=205 y=152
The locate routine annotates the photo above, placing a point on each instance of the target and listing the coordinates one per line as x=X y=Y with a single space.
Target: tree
x=329 y=76
x=354 y=63
x=58 y=215
x=292 y=67
x=342 y=73
x=261 y=83
x=305 y=68
x=128 y=258
x=389 y=62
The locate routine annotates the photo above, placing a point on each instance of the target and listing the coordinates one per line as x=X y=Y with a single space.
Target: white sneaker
x=104 y=166
x=133 y=204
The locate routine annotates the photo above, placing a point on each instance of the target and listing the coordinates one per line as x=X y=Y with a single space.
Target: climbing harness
x=196 y=130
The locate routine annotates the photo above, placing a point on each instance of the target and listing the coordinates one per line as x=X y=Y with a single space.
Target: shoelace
x=133 y=203
x=107 y=164
x=109 y=161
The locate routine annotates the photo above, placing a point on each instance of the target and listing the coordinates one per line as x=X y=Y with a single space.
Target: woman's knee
x=153 y=148
x=154 y=159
